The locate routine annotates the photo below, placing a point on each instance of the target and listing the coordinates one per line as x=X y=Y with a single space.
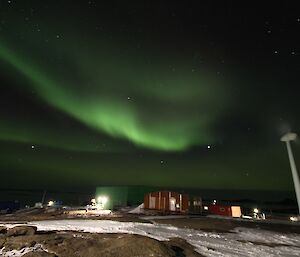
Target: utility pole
x=287 y=138
x=43 y=197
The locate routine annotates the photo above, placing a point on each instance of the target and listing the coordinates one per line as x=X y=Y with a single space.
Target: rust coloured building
x=225 y=210
x=167 y=201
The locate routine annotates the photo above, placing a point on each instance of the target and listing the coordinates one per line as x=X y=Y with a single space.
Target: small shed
x=225 y=210
x=195 y=205
x=167 y=201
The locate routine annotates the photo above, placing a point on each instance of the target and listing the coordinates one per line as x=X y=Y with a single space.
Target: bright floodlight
x=50 y=203
x=102 y=199
x=289 y=137
x=293 y=218
x=255 y=210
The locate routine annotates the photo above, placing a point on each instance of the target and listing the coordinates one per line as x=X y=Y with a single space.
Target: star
x=208 y=147
x=161 y=161
x=32 y=147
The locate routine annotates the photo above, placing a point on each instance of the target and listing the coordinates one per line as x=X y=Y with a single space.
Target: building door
x=172 y=204
x=152 y=202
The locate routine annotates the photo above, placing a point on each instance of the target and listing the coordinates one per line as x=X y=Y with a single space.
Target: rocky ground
x=194 y=222
x=26 y=241
x=227 y=225
x=72 y=244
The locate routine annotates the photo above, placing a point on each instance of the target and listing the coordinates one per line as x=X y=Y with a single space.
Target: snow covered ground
x=241 y=242
x=21 y=252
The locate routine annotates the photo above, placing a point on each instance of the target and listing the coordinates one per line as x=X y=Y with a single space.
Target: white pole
x=294 y=173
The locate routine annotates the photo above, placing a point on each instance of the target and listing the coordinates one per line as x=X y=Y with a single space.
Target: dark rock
x=19 y=242
x=114 y=245
x=2 y=242
x=3 y=230
x=21 y=231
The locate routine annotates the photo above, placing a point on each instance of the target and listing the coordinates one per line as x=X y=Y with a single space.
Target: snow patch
x=246 y=242
x=138 y=210
x=23 y=251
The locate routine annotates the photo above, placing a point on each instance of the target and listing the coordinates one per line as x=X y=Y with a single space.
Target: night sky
x=172 y=94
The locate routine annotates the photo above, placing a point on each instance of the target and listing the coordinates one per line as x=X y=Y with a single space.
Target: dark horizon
x=78 y=197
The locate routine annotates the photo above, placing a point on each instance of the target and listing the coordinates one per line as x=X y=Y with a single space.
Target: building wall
x=236 y=211
x=220 y=209
x=117 y=196
x=124 y=195
x=225 y=210
x=195 y=205
x=166 y=201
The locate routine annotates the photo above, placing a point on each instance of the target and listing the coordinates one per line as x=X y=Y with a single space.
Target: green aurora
x=134 y=95
x=107 y=94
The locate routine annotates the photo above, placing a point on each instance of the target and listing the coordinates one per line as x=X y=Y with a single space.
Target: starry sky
x=172 y=94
